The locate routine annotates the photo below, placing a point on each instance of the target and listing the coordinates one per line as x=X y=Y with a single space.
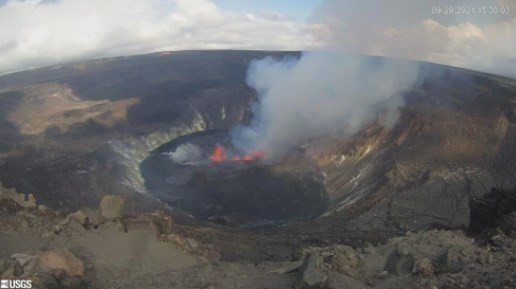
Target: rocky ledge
x=104 y=248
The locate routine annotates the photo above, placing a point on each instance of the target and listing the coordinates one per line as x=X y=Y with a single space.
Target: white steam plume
x=186 y=153
x=318 y=95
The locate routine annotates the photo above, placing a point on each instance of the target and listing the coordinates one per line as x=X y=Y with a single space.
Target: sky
x=298 y=9
x=35 y=33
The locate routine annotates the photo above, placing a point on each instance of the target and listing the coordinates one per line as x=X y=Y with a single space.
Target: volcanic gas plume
x=319 y=95
x=186 y=153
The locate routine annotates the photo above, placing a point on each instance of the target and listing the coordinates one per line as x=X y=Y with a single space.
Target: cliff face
x=71 y=133
x=454 y=141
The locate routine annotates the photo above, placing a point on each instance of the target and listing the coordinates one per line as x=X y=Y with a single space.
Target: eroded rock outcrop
x=111 y=207
x=437 y=258
x=23 y=200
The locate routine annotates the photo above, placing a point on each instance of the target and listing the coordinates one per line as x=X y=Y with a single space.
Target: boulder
x=44 y=280
x=312 y=274
x=453 y=260
x=10 y=269
x=80 y=217
x=61 y=259
x=22 y=258
x=75 y=222
x=400 y=261
x=111 y=207
x=27 y=261
x=424 y=267
x=345 y=260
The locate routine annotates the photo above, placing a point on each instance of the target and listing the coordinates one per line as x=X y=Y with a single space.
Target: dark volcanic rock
x=492 y=210
x=508 y=224
x=453 y=260
x=399 y=262
x=313 y=275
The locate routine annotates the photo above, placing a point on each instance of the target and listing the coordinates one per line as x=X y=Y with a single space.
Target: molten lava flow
x=257 y=154
x=247 y=157
x=219 y=155
x=251 y=156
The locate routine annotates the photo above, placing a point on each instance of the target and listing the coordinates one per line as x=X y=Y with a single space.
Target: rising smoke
x=186 y=153
x=329 y=94
x=319 y=95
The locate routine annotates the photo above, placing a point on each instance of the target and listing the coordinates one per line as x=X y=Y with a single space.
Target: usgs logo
x=10 y=284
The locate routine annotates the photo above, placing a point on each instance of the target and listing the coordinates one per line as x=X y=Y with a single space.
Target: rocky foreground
x=106 y=249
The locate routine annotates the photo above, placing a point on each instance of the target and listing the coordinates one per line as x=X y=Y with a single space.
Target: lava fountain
x=219 y=155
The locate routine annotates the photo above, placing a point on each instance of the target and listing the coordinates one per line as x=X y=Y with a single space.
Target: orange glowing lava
x=257 y=154
x=219 y=155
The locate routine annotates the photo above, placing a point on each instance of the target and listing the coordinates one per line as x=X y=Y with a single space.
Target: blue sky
x=299 y=9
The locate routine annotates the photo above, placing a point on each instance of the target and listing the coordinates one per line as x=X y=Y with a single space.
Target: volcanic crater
x=454 y=140
x=222 y=186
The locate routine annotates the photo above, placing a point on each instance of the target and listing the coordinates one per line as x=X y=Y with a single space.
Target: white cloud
x=408 y=29
x=36 y=33
x=43 y=32
x=463 y=45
